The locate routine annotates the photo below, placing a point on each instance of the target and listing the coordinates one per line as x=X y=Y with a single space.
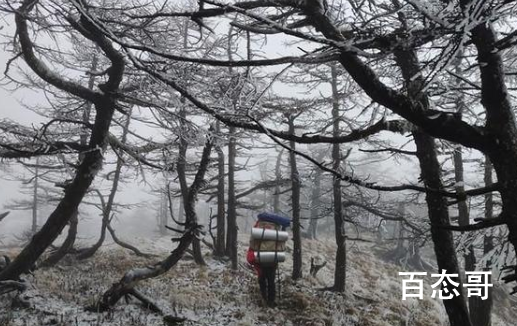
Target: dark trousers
x=267 y=283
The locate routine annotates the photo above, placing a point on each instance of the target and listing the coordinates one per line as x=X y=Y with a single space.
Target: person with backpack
x=267 y=249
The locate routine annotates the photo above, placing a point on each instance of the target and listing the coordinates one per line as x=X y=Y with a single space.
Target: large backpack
x=268 y=240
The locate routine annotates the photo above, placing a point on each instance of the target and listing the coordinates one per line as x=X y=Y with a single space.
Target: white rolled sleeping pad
x=268 y=234
x=270 y=256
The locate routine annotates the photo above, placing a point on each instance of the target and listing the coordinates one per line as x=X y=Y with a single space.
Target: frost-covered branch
x=131 y=278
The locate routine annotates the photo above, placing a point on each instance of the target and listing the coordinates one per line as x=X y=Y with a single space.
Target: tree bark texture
x=278 y=177
x=220 y=244
x=232 y=231
x=295 y=205
x=315 y=201
x=188 y=194
x=34 y=227
x=481 y=310
x=339 y=224
x=67 y=245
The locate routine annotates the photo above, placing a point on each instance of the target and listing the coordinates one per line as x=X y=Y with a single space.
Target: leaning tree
x=104 y=100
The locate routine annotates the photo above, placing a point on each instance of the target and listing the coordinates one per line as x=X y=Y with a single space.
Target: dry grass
x=215 y=295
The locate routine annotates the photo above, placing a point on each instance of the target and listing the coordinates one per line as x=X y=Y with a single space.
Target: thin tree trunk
x=232 y=231
x=400 y=241
x=220 y=244
x=278 y=177
x=34 y=227
x=340 y=268
x=124 y=244
x=463 y=211
x=190 y=202
x=481 y=310
x=315 y=201
x=295 y=202
x=163 y=212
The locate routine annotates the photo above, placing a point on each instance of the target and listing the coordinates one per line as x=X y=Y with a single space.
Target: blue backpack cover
x=273 y=218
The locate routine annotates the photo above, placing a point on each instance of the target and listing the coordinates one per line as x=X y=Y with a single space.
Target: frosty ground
x=215 y=295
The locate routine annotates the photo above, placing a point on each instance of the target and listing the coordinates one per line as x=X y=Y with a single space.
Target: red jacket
x=250 y=257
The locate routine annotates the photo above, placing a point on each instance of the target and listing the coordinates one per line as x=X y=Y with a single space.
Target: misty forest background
x=384 y=129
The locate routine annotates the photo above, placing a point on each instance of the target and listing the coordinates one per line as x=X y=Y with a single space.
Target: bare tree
x=295 y=202
x=220 y=244
x=232 y=231
x=126 y=285
x=104 y=102
x=339 y=224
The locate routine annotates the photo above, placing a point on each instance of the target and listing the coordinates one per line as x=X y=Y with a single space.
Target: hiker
x=266 y=277
x=267 y=249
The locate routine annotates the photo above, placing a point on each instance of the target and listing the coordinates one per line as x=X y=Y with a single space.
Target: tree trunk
x=463 y=211
x=295 y=202
x=220 y=244
x=340 y=268
x=107 y=207
x=163 y=212
x=481 y=310
x=124 y=244
x=232 y=231
x=67 y=245
x=437 y=205
x=438 y=214
x=181 y=211
x=188 y=202
x=400 y=241
x=34 y=227
x=278 y=177
x=69 y=242
x=315 y=201
x=500 y=127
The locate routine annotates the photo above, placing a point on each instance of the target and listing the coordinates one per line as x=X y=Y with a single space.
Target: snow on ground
x=215 y=295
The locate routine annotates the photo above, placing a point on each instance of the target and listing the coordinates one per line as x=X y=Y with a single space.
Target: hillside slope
x=214 y=295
